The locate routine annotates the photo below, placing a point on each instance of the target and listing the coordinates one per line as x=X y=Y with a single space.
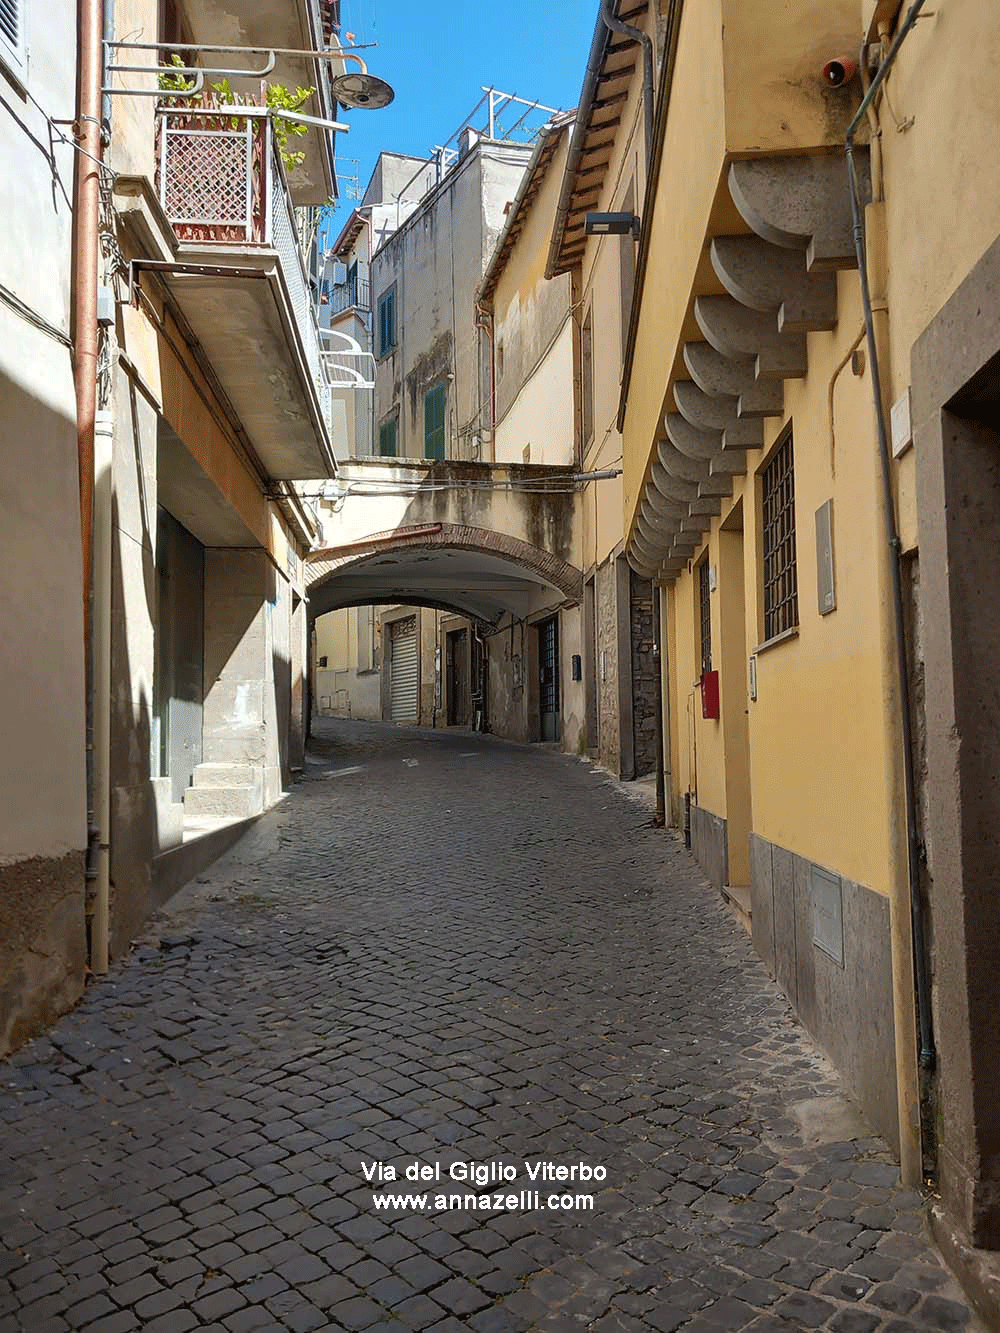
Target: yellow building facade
x=755 y=496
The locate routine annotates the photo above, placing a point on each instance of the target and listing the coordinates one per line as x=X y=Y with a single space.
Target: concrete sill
x=783 y=637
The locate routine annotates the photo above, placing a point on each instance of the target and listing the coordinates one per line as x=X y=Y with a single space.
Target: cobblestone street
x=447 y=949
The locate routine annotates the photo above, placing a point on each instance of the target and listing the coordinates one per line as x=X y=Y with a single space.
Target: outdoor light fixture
x=612 y=224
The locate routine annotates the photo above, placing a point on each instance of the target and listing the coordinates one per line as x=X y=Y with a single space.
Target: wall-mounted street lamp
x=612 y=224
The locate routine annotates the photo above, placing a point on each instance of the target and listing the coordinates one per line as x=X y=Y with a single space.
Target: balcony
x=241 y=285
x=352 y=295
x=298 y=25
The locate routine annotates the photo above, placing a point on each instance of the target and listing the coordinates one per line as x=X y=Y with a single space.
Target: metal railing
x=222 y=183
x=355 y=294
x=348 y=365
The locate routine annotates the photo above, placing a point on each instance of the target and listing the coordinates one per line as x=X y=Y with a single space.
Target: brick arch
x=325 y=564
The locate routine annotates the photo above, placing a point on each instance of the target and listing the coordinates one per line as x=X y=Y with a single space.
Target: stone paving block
x=537 y=975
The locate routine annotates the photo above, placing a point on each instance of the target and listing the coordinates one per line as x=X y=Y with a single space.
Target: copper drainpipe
x=86 y=216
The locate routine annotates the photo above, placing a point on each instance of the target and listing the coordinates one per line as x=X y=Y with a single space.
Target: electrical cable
x=19 y=307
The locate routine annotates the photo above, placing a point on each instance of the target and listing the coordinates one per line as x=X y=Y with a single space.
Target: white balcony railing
x=348 y=365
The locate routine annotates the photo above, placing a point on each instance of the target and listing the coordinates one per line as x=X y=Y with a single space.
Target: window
x=587 y=377
x=434 y=405
x=781 y=600
x=13 y=43
x=705 y=615
x=387 y=437
x=386 y=319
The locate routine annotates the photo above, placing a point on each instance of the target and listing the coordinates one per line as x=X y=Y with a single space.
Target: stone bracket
x=801 y=203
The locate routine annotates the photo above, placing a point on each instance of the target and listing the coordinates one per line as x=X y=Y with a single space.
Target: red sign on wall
x=710 y=694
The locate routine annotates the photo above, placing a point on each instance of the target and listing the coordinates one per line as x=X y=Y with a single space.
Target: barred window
x=705 y=616
x=781 y=600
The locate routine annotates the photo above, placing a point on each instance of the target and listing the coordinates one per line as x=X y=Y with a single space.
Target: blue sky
x=437 y=54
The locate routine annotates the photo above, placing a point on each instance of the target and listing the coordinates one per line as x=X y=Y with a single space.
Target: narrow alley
x=447 y=949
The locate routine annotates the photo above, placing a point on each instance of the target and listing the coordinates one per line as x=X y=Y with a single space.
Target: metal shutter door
x=404 y=671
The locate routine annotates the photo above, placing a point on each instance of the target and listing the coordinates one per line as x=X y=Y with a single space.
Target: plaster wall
x=538 y=426
x=533 y=340
x=942 y=89
x=824 y=696
x=550 y=523
x=690 y=172
x=749 y=79
x=41 y=840
x=349 y=684
x=436 y=260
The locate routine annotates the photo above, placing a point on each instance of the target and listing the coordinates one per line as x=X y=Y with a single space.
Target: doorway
x=457 y=677
x=548 y=679
x=404 y=670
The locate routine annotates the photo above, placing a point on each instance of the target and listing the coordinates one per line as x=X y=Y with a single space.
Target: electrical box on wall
x=710 y=694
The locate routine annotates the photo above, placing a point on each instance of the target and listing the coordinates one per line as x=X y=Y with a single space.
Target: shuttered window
x=386 y=319
x=587 y=376
x=387 y=437
x=434 y=405
x=12 y=33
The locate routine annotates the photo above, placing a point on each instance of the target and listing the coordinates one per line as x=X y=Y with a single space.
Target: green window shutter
x=387 y=438
x=434 y=403
x=387 y=322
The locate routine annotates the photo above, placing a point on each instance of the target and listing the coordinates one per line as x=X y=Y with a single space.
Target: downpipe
x=101 y=642
x=88 y=133
x=927 y=1052
x=661 y=781
x=643 y=39
x=919 y=959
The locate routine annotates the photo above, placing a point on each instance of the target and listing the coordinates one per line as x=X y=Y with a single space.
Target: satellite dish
x=362 y=91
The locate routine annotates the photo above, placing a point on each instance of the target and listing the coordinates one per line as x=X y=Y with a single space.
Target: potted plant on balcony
x=206 y=176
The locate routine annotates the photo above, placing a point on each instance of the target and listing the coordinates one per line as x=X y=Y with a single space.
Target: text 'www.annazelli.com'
x=523 y=1201
x=524 y=1177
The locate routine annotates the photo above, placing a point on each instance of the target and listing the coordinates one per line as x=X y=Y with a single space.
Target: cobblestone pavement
x=446 y=949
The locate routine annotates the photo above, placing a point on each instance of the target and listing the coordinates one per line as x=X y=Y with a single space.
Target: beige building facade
x=43 y=831
x=175 y=459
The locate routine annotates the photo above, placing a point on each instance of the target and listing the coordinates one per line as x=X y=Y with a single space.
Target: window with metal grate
x=781 y=597
x=705 y=616
x=13 y=46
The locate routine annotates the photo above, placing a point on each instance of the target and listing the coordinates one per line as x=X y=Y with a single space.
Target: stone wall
x=644 y=668
x=606 y=616
x=826 y=941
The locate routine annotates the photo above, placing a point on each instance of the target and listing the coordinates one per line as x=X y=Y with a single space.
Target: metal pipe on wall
x=911 y=969
x=89 y=137
x=922 y=983
x=643 y=39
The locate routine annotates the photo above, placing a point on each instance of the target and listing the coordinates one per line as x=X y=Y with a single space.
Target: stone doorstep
x=977 y=1271
x=738 y=898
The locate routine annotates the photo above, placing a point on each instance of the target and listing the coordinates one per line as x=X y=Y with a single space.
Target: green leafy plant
x=276 y=97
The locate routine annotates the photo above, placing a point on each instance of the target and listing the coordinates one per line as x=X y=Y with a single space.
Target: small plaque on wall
x=826 y=586
x=828 y=913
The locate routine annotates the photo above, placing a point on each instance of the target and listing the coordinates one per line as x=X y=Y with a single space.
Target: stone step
x=236 y=802
x=226 y=775
x=739 y=899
